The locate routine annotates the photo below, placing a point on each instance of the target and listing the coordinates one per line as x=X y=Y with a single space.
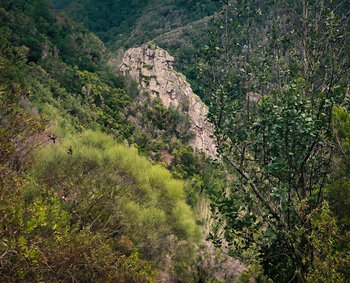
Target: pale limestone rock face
x=152 y=68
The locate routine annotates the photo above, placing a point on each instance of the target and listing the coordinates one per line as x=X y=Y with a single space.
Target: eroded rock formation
x=152 y=68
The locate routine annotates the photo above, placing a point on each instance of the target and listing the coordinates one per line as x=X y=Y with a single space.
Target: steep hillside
x=86 y=207
x=68 y=78
x=178 y=26
x=123 y=23
x=101 y=179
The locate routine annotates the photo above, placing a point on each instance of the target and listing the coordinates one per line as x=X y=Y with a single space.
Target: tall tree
x=271 y=97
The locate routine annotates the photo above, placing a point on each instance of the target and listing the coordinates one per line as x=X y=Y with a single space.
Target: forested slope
x=178 y=26
x=131 y=23
x=75 y=204
x=96 y=180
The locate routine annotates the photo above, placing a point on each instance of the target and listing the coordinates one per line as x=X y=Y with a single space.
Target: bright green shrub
x=109 y=185
x=338 y=189
x=331 y=260
x=174 y=189
x=185 y=225
x=146 y=226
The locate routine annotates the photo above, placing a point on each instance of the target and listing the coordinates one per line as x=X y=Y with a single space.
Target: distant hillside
x=179 y=26
x=121 y=23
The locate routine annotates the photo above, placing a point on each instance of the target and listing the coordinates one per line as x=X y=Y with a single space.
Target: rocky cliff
x=152 y=68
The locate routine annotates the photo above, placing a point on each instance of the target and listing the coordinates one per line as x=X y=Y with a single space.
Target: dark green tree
x=272 y=85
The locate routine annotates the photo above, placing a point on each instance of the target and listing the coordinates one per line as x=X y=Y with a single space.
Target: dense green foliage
x=271 y=94
x=66 y=72
x=102 y=213
x=38 y=240
x=338 y=190
x=79 y=203
x=125 y=23
x=111 y=188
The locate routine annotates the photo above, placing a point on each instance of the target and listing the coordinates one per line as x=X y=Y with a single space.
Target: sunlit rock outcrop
x=152 y=68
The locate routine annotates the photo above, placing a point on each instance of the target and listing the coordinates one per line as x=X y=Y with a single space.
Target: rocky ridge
x=152 y=67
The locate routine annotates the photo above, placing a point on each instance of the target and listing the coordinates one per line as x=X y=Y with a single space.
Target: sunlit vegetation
x=79 y=204
x=97 y=183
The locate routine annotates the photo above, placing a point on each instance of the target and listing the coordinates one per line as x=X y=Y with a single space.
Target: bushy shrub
x=109 y=185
